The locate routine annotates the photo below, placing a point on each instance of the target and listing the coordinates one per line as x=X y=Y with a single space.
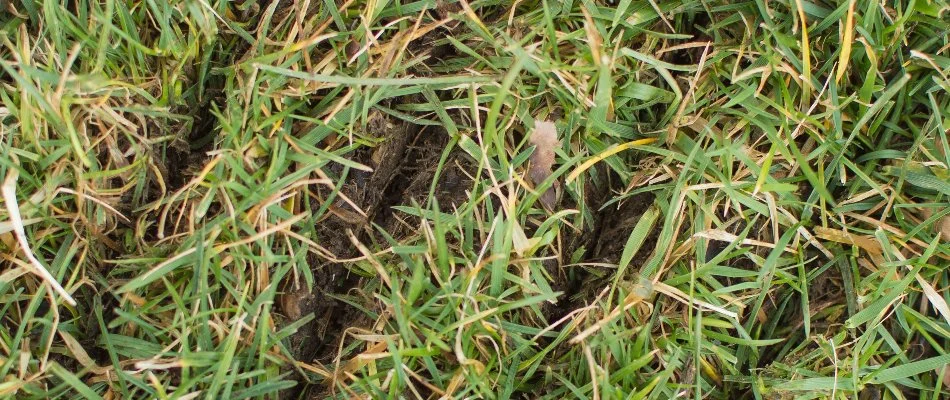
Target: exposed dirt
x=404 y=165
x=601 y=242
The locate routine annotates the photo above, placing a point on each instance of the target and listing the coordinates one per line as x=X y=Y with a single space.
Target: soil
x=404 y=165
x=602 y=241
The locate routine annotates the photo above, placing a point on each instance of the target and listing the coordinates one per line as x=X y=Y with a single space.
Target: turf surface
x=532 y=199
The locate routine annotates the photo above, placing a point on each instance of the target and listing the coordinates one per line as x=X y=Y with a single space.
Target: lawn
x=499 y=199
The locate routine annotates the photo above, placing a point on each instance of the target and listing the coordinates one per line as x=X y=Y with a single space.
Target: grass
x=319 y=199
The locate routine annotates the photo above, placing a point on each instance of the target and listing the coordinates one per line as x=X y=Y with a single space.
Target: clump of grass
x=752 y=199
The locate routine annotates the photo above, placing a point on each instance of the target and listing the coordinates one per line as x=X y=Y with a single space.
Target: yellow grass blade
x=847 y=37
x=607 y=153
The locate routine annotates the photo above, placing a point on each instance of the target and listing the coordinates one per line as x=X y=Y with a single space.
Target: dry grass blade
x=13 y=210
x=868 y=244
